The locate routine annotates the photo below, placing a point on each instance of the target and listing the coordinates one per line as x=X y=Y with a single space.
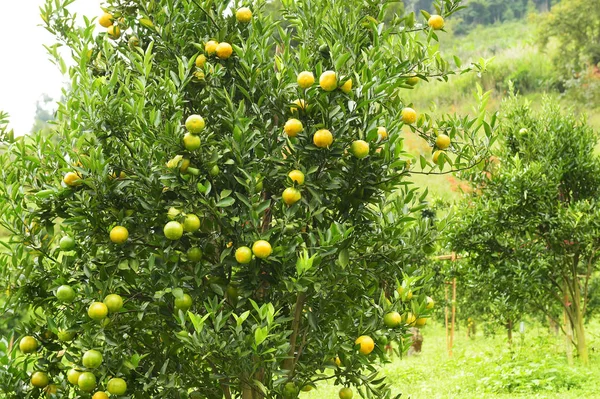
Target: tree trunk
x=577 y=315
x=568 y=329
x=290 y=362
x=509 y=331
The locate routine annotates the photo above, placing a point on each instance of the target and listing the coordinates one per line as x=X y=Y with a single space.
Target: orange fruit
x=360 y=149
x=97 y=311
x=436 y=22
x=346 y=393
x=28 y=344
x=91 y=359
x=442 y=141
x=292 y=127
x=243 y=15
x=106 y=20
x=183 y=303
x=296 y=176
x=100 y=395
x=409 y=116
x=436 y=157
x=73 y=376
x=224 y=50
x=113 y=302
x=291 y=195
x=347 y=86
x=243 y=255
x=211 y=47
x=430 y=303
x=114 y=32
x=39 y=379
x=323 y=138
x=119 y=234
x=328 y=81
x=392 y=319
x=116 y=386
x=191 y=223
x=382 y=133
x=86 y=381
x=71 y=179
x=366 y=344
x=262 y=249
x=194 y=124
x=298 y=104
x=173 y=230
x=305 y=79
x=200 y=61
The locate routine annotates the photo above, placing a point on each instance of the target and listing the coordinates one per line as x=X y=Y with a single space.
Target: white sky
x=25 y=72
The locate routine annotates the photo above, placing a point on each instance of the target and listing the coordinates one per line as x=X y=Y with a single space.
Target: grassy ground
x=484 y=368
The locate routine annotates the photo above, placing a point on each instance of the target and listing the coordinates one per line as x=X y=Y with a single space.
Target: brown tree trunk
x=289 y=363
x=509 y=331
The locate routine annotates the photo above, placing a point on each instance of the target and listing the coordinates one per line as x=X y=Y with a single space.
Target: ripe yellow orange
x=436 y=22
x=73 y=376
x=346 y=393
x=210 y=47
x=305 y=79
x=442 y=141
x=292 y=127
x=28 y=344
x=296 y=176
x=200 y=61
x=347 y=86
x=106 y=20
x=323 y=138
x=366 y=344
x=328 y=81
x=224 y=50
x=299 y=104
x=262 y=249
x=409 y=116
x=114 y=32
x=382 y=133
x=243 y=255
x=430 y=303
x=243 y=15
x=437 y=158
x=100 y=395
x=420 y=322
x=338 y=361
x=119 y=234
x=72 y=179
x=195 y=124
x=97 y=311
x=39 y=379
x=410 y=319
x=291 y=195
x=360 y=149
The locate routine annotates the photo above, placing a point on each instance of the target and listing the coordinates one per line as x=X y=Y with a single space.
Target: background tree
x=246 y=256
x=532 y=228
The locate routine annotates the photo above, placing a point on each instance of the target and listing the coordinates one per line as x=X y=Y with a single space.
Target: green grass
x=484 y=367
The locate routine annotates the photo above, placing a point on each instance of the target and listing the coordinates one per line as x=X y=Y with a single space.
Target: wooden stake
x=453 y=315
x=446 y=313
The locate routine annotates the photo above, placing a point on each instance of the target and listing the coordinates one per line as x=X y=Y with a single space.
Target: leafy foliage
x=260 y=329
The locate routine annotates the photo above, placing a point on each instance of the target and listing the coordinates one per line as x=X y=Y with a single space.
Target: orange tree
x=210 y=216
x=531 y=230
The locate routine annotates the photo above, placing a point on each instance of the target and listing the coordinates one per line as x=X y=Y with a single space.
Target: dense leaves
x=214 y=326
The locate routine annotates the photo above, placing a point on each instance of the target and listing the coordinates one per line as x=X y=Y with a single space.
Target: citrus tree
x=531 y=229
x=211 y=215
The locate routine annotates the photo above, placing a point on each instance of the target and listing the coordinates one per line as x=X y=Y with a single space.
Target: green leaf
x=226 y=202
